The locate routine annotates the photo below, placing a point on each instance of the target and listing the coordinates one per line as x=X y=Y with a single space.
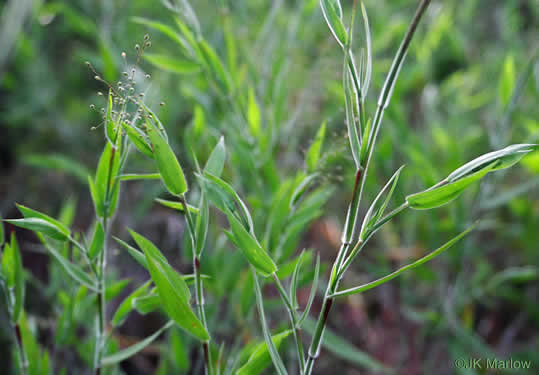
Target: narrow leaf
x=39 y=225
x=176 y=205
x=260 y=358
x=19 y=280
x=139 y=176
x=29 y=213
x=417 y=263
x=333 y=15
x=312 y=294
x=172 y=64
x=126 y=306
x=313 y=154
x=146 y=304
x=135 y=348
x=274 y=353
x=98 y=241
x=504 y=158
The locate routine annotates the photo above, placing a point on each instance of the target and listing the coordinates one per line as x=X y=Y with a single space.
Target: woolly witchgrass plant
x=128 y=123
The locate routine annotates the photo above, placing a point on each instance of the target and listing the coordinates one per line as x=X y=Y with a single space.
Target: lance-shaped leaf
x=111 y=129
x=250 y=248
x=215 y=66
x=173 y=64
x=98 y=241
x=139 y=176
x=172 y=289
x=12 y=265
x=161 y=27
x=30 y=213
x=147 y=304
x=104 y=188
x=40 y=226
x=454 y=184
x=260 y=357
x=202 y=224
x=137 y=137
x=270 y=345
x=503 y=158
x=176 y=205
x=333 y=15
x=126 y=306
x=225 y=198
x=73 y=270
x=374 y=213
x=417 y=263
x=167 y=163
x=313 y=154
x=312 y=294
x=137 y=255
x=135 y=348
x=438 y=196
x=216 y=161
x=366 y=79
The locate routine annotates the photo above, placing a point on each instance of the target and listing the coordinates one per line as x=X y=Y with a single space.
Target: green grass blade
x=274 y=353
x=135 y=348
x=417 y=263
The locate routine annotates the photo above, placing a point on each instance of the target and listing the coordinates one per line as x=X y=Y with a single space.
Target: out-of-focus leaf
x=507 y=80
x=346 y=351
x=260 y=358
x=215 y=66
x=67 y=213
x=72 y=269
x=166 y=30
x=126 y=306
x=313 y=154
x=58 y=162
x=167 y=163
x=114 y=289
x=253 y=114
x=172 y=64
x=216 y=161
x=146 y=304
x=135 y=348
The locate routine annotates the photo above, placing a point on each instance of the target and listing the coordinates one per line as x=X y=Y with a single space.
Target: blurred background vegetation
x=470 y=85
